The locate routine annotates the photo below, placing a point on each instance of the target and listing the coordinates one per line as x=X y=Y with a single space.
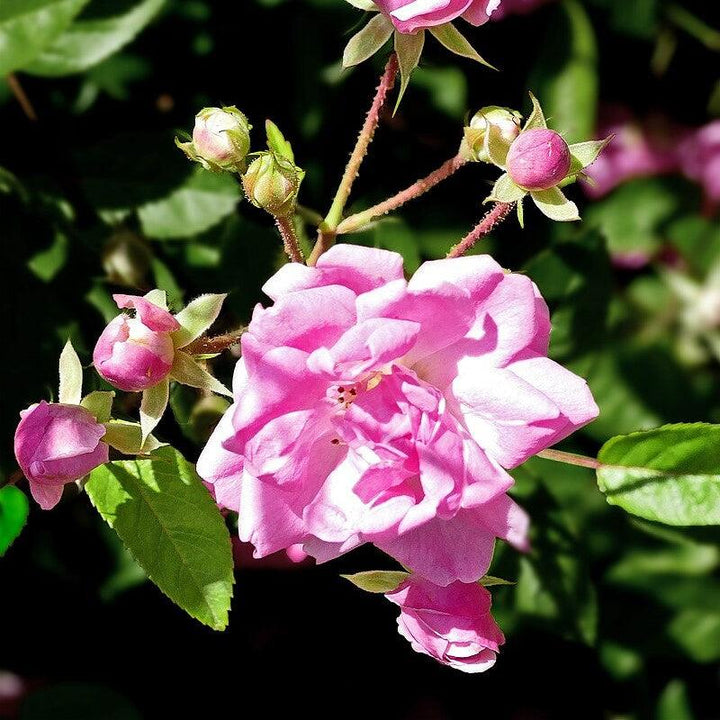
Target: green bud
x=126 y=259
x=221 y=139
x=497 y=125
x=272 y=183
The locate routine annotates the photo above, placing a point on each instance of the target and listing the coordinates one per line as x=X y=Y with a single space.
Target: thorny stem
x=20 y=95
x=498 y=213
x=212 y=345
x=570 y=459
x=326 y=231
x=290 y=240
x=448 y=168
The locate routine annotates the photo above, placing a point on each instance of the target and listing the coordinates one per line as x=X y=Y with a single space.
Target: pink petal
x=150 y=314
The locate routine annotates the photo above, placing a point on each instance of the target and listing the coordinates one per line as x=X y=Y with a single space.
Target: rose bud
x=452 y=624
x=539 y=159
x=221 y=139
x=135 y=353
x=56 y=444
x=504 y=122
x=272 y=183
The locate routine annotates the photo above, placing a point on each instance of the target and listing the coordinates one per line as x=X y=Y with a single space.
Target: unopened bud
x=126 y=259
x=497 y=124
x=221 y=139
x=272 y=183
x=539 y=159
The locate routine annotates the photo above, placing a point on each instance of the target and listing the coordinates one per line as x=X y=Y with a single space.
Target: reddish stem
x=21 y=96
x=493 y=218
x=211 y=345
x=290 y=241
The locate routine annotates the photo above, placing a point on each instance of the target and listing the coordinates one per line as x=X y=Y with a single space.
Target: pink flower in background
x=370 y=409
x=700 y=159
x=452 y=624
x=409 y=16
x=56 y=444
x=135 y=353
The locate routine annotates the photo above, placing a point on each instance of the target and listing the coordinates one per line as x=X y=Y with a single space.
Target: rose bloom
x=452 y=624
x=135 y=353
x=700 y=160
x=409 y=16
x=372 y=409
x=56 y=444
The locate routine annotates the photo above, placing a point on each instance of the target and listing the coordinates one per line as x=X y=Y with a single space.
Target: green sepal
x=537 y=117
x=186 y=371
x=126 y=437
x=71 y=376
x=367 y=5
x=99 y=403
x=506 y=191
x=277 y=143
x=496 y=146
x=157 y=298
x=584 y=154
x=452 y=39
x=378 y=581
x=152 y=406
x=408 y=48
x=368 y=41
x=196 y=318
x=491 y=581
x=519 y=208
x=554 y=205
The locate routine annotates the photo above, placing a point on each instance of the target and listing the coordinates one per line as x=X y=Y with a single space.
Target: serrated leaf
x=670 y=474
x=196 y=318
x=202 y=202
x=378 y=581
x=368 y=41
x=14 y=508
x=152 y=406
x=171 y=525
x=88 y=42
x=505 y=190
x=452 y=39
x=536 y=118
x=553 y=204
x=126 y=437
x=186 y=371
x=408 y=48
x=27 y=27
x=99 y=403
x=71 y=376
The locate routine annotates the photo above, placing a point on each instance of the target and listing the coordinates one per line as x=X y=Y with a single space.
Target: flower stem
x=290 y=240
x=387 y=81
x=570 y=459
x=355 y=222
x=694 y=26
x=21 y=96
x=212 y=345
x=493 y=218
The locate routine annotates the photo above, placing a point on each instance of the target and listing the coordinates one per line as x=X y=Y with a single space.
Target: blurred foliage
x=610 y=616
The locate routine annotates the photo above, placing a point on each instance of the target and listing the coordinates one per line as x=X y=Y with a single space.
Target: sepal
x=408 y=48
x=537 y=117
x=153 y=405
x=187 y=372
x=99 y=403
x=126 y=437
x=506 y=191
x=196 y=318
x=554 y=205
x=71 y=376
x=368 y=41
x=378 y=581
x=452 y=39
x=367 y=5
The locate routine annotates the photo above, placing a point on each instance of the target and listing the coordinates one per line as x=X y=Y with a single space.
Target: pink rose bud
x=409 y=16
x=133 y=354
x=452 y=624
x=56 y=444
x=539 y=159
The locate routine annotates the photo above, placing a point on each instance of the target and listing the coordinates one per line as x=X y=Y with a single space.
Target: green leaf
x=378 y=581
x=368 y=41
x=506 y=191
x=186 y=371
x=47 y=263
x=674 y=703
x=99 y=403
x=200 y=203
x=127 y=438
x=27 y=27
x=196 y=318
x=88 y=42
x=452 y=39
x=71 y=376
x=565 y=77
x=152 y=406
x=14 y=508
x=554 y=205
x=408 y=48
x=171 y=525
x=671 y=474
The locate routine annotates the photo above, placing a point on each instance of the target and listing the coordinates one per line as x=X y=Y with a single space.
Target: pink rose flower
x=372 y=409
x=135 y=353
x=517 y=7
x=409 y=16
x=700 y=160
x=452 y=624
x=56 y=444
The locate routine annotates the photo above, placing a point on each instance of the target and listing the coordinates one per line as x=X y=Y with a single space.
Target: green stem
x=570 y=459
x=694 y=26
